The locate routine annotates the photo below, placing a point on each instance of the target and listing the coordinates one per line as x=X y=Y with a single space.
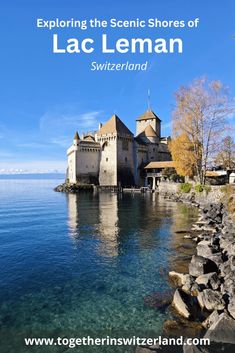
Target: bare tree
x=226 y=157
x=200 y=114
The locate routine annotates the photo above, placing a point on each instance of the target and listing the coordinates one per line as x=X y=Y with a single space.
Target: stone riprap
x=210 y=283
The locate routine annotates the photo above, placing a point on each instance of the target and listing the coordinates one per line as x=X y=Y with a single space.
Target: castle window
x=125 y=159
x=86 y=166
x=153 y=149
x=125 y=145
x=107 y=159
x=104 y=171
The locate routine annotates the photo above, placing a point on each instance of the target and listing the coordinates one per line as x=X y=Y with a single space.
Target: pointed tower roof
x=76 y=136
x=149 y=131
x=114 y=125
x=149 y=114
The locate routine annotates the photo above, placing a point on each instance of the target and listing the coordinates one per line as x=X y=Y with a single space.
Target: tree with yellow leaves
x=198 y=126
x=182 y=154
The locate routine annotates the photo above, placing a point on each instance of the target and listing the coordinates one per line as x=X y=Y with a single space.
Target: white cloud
x=62 y=141
x=33 y=145
x=64 y=121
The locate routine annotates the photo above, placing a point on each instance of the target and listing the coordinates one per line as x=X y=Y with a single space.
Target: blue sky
x=46 y=97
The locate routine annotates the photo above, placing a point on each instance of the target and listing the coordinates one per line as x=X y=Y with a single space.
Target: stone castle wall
x=108 y=161
x=125 y=161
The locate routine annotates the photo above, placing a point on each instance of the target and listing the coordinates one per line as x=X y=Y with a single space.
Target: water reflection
x=117 y=222
x=99 y=219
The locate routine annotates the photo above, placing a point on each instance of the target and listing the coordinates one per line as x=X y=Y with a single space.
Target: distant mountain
x=32 y=176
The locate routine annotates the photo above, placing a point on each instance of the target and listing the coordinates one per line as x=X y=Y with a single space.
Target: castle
x=113 y=156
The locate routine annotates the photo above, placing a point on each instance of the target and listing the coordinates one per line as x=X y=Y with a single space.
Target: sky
x=45 y=97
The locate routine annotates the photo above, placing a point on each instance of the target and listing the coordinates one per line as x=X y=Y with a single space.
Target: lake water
x=84 y=264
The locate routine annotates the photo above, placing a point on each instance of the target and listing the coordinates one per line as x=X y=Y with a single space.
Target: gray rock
x=216 y=258
x=204 y=248
x=211 y=319
x=181 y=303
x=231 y=307
x=200 y=265
x=189 y=281
x=209 y=280
x=222 y=330
x=177 y=278
x=211 y=300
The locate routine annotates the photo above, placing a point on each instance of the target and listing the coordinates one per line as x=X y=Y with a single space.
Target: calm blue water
x=83 y=263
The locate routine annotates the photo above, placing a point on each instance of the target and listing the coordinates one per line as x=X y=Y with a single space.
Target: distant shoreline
x=36 y=176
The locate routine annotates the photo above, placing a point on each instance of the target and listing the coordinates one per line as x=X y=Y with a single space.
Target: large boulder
x=204 y=248
x=209 y=280
x=178 y=279
x=222 y=330
x=200 y=265
x=211 y=319
x=211 y=300
x=181 y=302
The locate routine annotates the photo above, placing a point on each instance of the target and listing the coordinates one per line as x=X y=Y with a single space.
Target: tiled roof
x=156 y=165
x=149 y=114
x=149 y=131
x=114 y=125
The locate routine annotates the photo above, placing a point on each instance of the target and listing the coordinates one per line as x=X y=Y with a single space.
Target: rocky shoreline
x=204 y=298
x=73 y=188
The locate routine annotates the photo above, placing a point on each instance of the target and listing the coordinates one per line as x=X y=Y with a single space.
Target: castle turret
x=149 y=118
x=76 y=139
x=72 y=159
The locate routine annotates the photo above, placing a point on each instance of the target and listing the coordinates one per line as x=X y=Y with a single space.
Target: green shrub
x=223 y=189
x=207 y=188
x=185 y=187
x=199 y=188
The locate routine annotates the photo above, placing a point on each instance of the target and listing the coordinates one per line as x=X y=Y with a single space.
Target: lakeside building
x=113 y=156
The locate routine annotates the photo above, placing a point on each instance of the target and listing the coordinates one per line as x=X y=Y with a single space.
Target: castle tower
x=117 y=149
x=72 y=159
x=148 y=118
x=76 y=139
